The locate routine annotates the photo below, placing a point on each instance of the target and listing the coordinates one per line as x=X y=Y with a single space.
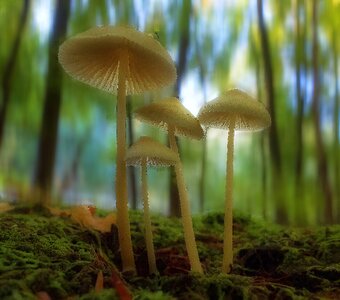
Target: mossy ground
x=41 y=253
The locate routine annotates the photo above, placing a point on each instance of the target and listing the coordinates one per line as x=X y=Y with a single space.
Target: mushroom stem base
x=147 y=223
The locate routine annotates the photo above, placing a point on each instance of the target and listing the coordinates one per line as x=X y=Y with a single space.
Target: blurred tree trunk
x=70 y=178
x=131 y=169
x=203 y=171
x=299 y=54
x=323 y=173
x=336 y=117
x=262 y=149
x=204 y=149
x=202 y=79
x=7 y=78
x=274 y=147
x=185 y=18
x=262 y=141
x=202 y=76
x=43 y=177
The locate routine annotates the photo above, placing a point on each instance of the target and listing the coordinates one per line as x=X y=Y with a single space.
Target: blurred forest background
x=59 y=134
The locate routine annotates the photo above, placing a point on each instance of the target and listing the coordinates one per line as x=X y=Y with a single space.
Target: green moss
x=166 y=231
x=40 y=252
x=106 y=294
x=147 y=295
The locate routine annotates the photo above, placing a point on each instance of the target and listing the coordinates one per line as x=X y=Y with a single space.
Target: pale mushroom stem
x=188 y=230
x=228 y=213
x=123 y=222
x=147 y=222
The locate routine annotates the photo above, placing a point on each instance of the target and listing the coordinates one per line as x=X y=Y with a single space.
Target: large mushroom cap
x=147 y=150
x=171 y=112
x=93 y=57
x=236 y=106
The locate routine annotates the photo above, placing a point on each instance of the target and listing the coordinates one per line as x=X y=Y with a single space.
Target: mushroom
x=148 y=152
x=171 y=115
x=233 y=110
x=121 y=60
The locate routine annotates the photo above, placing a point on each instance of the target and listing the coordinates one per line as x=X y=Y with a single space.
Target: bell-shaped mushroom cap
x=94 y=57
x=171 y=112
x=147 y=150
x=236 y=106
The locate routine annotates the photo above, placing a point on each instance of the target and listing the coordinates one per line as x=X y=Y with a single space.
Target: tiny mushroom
x=122 y=61
x=144 y=152
x=171 y=115
x=233 y=110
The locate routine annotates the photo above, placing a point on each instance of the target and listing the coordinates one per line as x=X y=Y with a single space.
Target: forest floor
x=43 y=256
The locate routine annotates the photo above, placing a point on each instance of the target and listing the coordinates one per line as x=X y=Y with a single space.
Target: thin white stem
x=147 y=222
x=228 y=214
x=189 y=235
x=123 y=222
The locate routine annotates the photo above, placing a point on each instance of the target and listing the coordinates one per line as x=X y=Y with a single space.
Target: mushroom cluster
x=125 y=61
x=170 y=115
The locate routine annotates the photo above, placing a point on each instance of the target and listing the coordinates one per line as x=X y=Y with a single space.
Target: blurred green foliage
x=224 y=50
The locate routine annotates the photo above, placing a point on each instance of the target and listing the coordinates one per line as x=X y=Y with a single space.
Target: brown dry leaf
x=5 y=207
x=42 y=295
x=59 y=212
x=84 y=215
x=120 y=286
x=99 y=282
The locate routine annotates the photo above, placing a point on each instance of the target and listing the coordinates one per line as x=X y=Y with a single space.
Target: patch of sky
x=42 y=12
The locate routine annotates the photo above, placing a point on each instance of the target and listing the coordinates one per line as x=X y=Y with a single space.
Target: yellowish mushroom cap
x=171 y=112
x=147 y=150
x=235 y=106
x=93 y=57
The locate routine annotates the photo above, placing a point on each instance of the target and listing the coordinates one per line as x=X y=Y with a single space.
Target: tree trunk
x=202 y=79
x=264 y=179
x=262 y=141
x=6 y=82
x=131 y=169
x=70 y=178
x=336 y=117
x=323 y=174
x=275 y=153
x=43 y=177
x=262 y=138
x=181 y=68
x=203 y=159
x=299 y=40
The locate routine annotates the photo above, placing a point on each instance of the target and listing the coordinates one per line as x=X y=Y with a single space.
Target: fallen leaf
x=84 y=215
x=99 y=282
x=4 y=206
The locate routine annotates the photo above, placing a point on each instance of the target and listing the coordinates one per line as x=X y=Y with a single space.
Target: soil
x=43 y=256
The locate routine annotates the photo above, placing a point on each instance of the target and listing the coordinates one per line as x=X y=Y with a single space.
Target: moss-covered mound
x=43 y=255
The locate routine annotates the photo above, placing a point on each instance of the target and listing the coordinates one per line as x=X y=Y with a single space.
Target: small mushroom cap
x=235 y=106
x=171 y=112
x=147 y=150
x=93 y=57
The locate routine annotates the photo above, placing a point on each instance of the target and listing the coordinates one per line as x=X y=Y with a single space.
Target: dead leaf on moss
x=99 y=282
x=42 y=295
x=85 y=216
x=4 y=206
